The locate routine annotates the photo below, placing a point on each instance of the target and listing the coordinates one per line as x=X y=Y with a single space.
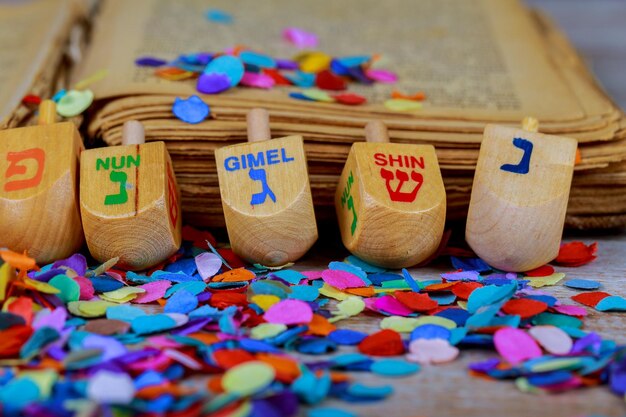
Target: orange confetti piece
x=286 y=368
x=419 y=96
x=444 y=286
x=361 y=292
x=320 y=326
x=18 y=260
x=174 y=74
x=235 y=275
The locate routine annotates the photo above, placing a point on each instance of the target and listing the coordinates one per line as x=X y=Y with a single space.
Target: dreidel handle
x=47 y=112
x=258 y=125
x=133 y=133
x=376 y=132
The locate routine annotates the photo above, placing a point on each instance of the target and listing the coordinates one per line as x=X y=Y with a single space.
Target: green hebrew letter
x=122 y=196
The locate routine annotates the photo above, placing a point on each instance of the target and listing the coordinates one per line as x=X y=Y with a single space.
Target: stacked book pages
x=478 y=62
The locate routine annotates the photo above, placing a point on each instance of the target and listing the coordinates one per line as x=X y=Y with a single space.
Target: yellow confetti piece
x=44 y=379
x=6 y=272
x=313 y=61
x=89 y=309
x=317 y=95
x=122 y=295
x=462 y=304
x=400 y=324
x=248 y=378
x=265 y=301
x=539 y=282
x=439 y=321
x=332 y=292
x=399 y=104
x=267 y=330
x=43 y=287
x=86 y=82
x=351 y=306
x=103 y=268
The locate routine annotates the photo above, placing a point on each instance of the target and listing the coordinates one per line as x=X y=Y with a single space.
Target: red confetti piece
x=224 y=299
x=524 y=307
x=464 y=289
x=576 y=254
x=383 y=343
x=542 y=271
x=12 y=339
x=590 y=299
x=350 y=99
x=227 y=358
x=277 y=76
x=415 y=301
x=31 y=100
x=198 y=237
x=326 y=80
x=233 y=260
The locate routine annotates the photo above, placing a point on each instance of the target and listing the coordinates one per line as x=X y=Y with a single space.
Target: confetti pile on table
x=204 y=333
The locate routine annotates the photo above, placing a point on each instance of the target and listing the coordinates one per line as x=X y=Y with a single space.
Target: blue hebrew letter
x=524 y=164
x=259 y=198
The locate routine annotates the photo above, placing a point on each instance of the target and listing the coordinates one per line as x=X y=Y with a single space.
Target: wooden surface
x=384 y=190
x=39 y=191
x=519 y=197
x=448 y=390
x=129 y=204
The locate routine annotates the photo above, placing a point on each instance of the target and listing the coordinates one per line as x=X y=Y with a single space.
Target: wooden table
x=448 y=390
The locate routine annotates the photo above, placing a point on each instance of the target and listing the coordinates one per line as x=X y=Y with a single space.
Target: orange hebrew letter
x=17 y=168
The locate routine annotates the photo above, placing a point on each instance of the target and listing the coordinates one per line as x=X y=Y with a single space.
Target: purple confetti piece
x=148 y=61
x=76 y=262
x=213 y=83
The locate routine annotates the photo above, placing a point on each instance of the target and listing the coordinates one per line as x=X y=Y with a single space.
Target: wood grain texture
x=391 y=203
x=448 y=390
x=130 y=207
x=267 y=201
x=39 y=191
x=519 y=197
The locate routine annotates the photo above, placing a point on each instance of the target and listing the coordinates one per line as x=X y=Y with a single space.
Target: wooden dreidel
x=519 y=197
x=266 y=195
x=39 y=188
x=129 y=201
x=390 y=201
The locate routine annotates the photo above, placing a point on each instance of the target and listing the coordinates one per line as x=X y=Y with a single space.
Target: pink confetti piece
x=341 y=279
x=312 y=274
x=163 y=341
x=208 y=265
x=300 y=38
x=431 y=351
x=251 y=79
x=515 y=345
x=382 y=76
x=552 y=339
x=391 y=305
x=571 y=310
x=154 y=291
x=86 y=288
x=289 y=312
x=183 y=359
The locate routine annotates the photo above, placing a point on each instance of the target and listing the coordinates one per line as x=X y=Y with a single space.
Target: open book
x=478 y=62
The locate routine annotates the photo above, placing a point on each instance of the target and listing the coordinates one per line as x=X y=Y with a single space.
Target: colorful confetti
x=191 y=110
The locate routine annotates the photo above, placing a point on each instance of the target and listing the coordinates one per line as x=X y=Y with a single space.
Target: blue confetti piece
x=301 y=79
x=338 y=68
x=582 y=284
x=173 y=277
x=289 y=275
x=316 y=346
x=378 y=278
x=354 y=61
x=149 y=61
x=304 y=293
x=364 y=391
x=152 y=324
x=105 y=284
x=329 y=412
x=549 y=378
x=505 y=321
x=367 y=267
x=457 y=315
x=192 y=110
x=227 y=65
x=18 y=394
x=124 y=312
x=612 y=303
x=347 y=359
x=430 y=331
x=255 y=346
x=9 y=320
x=544 y=298
x=410 y=281
x=347 y=337
x=219 y=16
x=457 y=334
x=488 y=295
x=59 y=95
x=470 y=264
x=353 y=269
x=185 y=265
x=38 y=340
x=181 y=302
x=300 y=96
x=194 y=287
x=443 y=299
x=258 y=60
x=310 y=388
x=394 y=368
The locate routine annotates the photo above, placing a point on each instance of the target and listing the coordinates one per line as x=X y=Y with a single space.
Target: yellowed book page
x=32 y=35
x=479 y=59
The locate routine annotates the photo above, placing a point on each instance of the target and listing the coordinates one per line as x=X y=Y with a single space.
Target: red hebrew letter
x=397 y=194
x=17 y=168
